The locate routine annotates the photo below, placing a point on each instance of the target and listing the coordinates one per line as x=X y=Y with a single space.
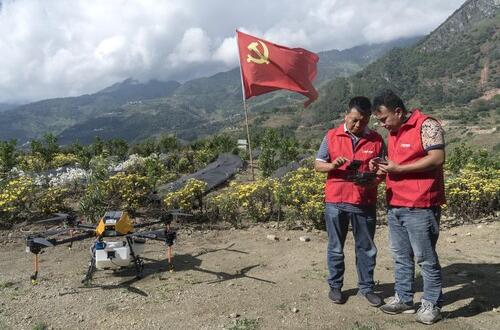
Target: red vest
x=337 y=189
x=424 y=189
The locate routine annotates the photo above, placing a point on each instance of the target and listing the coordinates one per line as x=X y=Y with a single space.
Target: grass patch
x=281 y=307
x=40 y=326
x=365 y=326
x=243 y=324
x=6 y=284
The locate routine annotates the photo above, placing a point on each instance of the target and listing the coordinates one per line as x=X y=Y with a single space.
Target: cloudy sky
x=53 y=48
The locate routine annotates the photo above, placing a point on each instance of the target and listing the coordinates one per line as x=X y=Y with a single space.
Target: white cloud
x=194 y=47
x=226 y=51
x=70 y=47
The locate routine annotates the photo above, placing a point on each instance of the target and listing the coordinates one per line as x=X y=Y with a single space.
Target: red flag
x=266 y=67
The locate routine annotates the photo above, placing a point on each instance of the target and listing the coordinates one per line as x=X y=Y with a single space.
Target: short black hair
x=388 y=99
x=362 y=104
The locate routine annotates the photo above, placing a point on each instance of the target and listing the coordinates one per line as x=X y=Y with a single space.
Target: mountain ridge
x=215 y=98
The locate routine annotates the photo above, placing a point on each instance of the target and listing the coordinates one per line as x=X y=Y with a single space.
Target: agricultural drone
x=116 y=243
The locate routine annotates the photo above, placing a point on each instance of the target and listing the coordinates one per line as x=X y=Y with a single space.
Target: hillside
x=134 y=110
x=54 y=115
x=453 y=72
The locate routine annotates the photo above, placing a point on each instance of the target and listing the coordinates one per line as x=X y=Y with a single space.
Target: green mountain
x=453 y=65
x=199 y=107
x=7 y=106
x=453 y=72
x=55 y=115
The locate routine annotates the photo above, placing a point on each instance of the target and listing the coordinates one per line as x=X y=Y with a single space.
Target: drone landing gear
x=138 y=262
x=169 y=258
x=34 y=277
x=170 y=237
x=90 y=271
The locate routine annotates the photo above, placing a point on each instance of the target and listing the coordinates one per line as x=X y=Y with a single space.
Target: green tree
x=83 y=153
x=46 y=148
x=97 y=147
x=117 y=147
x=8 y=155
x=145 y=148
x=168 y=143
x=268 y=161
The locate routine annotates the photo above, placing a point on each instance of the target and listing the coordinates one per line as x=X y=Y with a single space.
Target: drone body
x=113 y=255
x=117 y=243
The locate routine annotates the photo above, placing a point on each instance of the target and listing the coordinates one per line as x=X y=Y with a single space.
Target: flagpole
x=246 y=110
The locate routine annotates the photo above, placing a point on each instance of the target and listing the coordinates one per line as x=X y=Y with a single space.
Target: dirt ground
x=240 y=279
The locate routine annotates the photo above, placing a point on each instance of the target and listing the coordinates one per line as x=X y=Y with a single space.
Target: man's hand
x=339 y=161
x=433 y=159
x=390 y=167
x=324 y=167
x=373 y=165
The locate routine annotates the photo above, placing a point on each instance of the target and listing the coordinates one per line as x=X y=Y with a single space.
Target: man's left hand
x=391 y=167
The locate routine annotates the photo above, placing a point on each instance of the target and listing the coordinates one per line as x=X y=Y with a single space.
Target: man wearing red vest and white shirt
x=346 y=200
x=415 y=193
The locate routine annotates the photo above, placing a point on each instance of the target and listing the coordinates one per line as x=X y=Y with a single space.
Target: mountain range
x=449 y=69
x=133 y=110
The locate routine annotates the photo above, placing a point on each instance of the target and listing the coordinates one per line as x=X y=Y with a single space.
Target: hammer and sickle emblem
x=262 y=58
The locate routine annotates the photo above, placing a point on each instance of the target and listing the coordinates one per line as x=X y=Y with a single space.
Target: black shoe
x=372 y=298
x=335 y=295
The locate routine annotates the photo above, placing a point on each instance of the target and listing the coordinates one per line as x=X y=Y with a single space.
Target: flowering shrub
x=70 y=177
x=32 y=163
x=302 y=191
x=51 y=200
x=189 y=197
x=93 y=203
x=257 y=199
x=299 y=195
x=127 y=191
x=202 y=157
x=225 y=207
x=381 y=201
x=16 y=197
x=60 y=160
x=132 y=164
x=474 y=192
x=253 y=200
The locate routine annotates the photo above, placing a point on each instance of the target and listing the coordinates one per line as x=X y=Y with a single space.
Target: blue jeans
x=413 y=236
x=363 y=228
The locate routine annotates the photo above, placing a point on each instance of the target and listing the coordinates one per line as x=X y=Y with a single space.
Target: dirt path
x=239 y=277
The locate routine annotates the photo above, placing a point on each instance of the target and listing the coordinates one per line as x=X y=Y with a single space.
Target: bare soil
x=240 y=279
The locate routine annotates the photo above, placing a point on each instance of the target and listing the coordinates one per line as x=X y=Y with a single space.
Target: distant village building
x=243 y=144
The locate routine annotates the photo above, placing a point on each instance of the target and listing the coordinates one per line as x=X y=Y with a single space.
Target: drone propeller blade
x=183 y=214
x=177 y=212
x=55 y=232
x=42 y=241
x=58 y=217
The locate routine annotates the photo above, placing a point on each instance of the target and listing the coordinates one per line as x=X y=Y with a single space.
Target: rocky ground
x=241 y=279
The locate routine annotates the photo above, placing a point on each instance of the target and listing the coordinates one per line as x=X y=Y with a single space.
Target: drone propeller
x=182 y=214
x=42 y=241
x=179 y=212
x=70 y=219
x=173 y=214
x=58 y=217
x=54 y=232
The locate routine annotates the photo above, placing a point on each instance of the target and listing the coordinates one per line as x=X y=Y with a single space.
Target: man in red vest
x=344 y=152
x=415 y=193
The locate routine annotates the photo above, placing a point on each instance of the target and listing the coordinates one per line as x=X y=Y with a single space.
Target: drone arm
x=36 y=244
x=147 y=224
x=74 y=238
x=167 y=235
x=85 y=226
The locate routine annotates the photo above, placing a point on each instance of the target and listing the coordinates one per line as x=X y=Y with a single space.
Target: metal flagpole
x=246 y=111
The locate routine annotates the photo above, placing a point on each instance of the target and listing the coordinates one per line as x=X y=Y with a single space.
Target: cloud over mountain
x=64 y=48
